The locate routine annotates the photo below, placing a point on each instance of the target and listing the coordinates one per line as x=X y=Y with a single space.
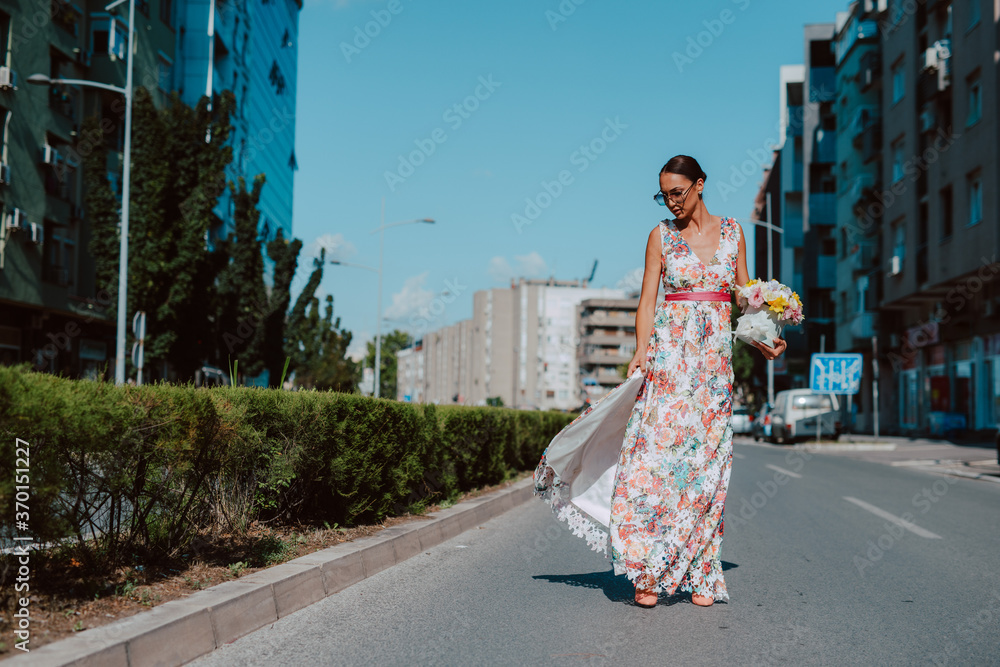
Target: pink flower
x=757 y=297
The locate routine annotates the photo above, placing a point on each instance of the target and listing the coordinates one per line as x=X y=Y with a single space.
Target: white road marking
x=912 y=527
x=785 y=472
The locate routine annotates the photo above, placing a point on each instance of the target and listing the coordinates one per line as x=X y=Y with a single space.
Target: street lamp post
x=41 y=79
x=378 y=318
x=770 y=271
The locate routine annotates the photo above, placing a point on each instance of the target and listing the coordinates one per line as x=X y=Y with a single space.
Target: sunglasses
x=661 y=198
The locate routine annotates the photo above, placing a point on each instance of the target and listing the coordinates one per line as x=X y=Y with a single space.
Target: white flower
x=759 y=326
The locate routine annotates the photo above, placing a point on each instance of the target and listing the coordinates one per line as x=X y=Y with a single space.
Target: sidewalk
x=181 y=630
x=973 y=460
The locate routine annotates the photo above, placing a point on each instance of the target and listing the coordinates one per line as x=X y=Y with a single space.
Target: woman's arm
x=741 y=261
x=647 y=300
x=741 y=279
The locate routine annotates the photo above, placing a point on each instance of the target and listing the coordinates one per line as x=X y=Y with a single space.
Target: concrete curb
x=181 y=630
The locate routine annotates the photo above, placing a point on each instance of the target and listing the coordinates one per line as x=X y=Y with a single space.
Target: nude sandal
x=646 y=598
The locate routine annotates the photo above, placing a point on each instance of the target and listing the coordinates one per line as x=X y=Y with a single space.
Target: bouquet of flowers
x=767 y=307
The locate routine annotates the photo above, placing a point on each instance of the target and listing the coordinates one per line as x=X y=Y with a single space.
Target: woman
x=673 y=471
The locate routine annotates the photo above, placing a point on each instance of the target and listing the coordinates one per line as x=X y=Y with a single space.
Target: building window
x=166 y=12
x=108 y=37
x=862 y=294
x=276 y=78
x=974 y=13
x=947 y=217
x=65 y=16
x=898 y=247
x=165 y=73
x=975 y=198
x=975 y=100
x=59 y=252
x=898 y=82
x=286 y=40
x=897 y=160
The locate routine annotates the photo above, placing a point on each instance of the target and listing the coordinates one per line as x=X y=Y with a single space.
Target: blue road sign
x=835 y=373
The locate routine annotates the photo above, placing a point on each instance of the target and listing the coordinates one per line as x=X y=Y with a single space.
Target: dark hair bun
x=685 y=165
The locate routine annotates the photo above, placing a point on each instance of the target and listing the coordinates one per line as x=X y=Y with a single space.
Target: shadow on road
x=615 y=588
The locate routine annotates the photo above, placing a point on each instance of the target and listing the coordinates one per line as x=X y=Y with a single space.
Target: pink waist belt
x=697 y=296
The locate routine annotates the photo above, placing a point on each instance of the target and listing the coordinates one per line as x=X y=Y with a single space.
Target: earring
x=700 y=196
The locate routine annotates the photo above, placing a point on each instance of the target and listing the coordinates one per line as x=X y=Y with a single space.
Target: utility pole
x=770 y=275
x=875 y=382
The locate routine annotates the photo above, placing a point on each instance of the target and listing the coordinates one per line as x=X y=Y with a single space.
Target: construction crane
x=592 y=272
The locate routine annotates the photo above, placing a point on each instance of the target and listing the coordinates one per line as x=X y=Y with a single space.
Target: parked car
x=760 y=427
x=742 y=420
x=798 y=412
x=210 y=376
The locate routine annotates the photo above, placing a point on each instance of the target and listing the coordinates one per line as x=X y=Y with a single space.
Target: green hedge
x=159 y=463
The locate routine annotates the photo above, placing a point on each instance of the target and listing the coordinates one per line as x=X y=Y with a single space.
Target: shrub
x=132 y=473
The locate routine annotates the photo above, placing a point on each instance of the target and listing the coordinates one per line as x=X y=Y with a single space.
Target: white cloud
x=631 y=281
x=532 y=265
x=499 y=269
x=337 y=247
x=412 y=299
x=359 y=345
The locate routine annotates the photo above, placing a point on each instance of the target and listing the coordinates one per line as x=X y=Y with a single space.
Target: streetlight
x=41 y=79
x=378 y=319
x=770 y=271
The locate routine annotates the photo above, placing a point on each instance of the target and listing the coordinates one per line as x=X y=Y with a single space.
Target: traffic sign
x=835 y=373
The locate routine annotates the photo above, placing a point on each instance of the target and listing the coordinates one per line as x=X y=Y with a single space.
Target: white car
x=798 y=412
x=742 y=420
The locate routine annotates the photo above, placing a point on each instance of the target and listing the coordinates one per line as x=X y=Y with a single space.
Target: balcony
x=825 y=146
x=795 y=116
x=870 y=69
x=608 y=339
x=826 y=271
x=863 y=259
x=860 y=189
x=822 y=208
x=604 y=359
x=822 y=84
x=604 y=376
x=871 y=141
x=864 y=117
x=603 y=319
x=863 y=325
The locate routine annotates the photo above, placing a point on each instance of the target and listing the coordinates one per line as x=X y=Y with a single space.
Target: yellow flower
x=779 y=304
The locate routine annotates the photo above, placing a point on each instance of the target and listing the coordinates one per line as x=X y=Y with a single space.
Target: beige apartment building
x=607 y=341
x=520 y=347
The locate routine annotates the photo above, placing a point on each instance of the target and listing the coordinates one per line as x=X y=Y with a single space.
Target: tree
x=179 y=155
x=391 y=344
x=244 y=303
x=317 y=345
x=285 y=255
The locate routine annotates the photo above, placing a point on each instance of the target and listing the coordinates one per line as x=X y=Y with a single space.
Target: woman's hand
x=771 y=353
x=638 y=361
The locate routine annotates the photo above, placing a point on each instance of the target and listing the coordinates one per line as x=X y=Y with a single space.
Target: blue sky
x=572 y=108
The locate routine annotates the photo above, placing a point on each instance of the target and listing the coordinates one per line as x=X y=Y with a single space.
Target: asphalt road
x=813 y=578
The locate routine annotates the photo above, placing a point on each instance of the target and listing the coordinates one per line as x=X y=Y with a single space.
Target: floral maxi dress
x=672 y=476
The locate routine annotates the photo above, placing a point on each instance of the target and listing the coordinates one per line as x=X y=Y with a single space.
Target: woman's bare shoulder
x=656 y=235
